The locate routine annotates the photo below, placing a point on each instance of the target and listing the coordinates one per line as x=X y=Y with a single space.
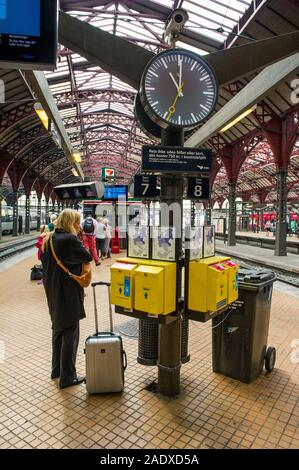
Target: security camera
x=174 y=24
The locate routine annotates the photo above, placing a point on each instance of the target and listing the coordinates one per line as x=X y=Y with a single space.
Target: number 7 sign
x=145 y=186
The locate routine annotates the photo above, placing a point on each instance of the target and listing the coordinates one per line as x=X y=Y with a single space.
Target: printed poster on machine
x=208 y=242
x=196 y=243
x=163 y=243
x=138 y=241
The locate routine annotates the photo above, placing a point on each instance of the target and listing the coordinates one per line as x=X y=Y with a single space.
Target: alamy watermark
x=295 y=92
x=2 y=92
x=295 y=351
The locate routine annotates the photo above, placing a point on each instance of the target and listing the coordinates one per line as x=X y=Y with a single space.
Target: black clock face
x=178 y=89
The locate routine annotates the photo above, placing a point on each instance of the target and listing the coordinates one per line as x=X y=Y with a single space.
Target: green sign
x=108 y=174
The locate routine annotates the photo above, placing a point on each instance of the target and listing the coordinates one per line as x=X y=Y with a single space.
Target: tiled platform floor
x=212 y=411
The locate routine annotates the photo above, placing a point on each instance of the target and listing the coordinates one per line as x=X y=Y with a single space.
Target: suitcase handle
x=125 y=361
x=101 y=283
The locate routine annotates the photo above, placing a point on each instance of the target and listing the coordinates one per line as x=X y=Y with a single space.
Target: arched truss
x=257 y=178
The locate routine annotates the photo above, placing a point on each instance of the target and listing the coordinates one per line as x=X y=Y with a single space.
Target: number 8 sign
x=198 y=188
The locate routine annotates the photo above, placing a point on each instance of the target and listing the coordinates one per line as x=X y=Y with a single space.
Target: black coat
x=64 y=294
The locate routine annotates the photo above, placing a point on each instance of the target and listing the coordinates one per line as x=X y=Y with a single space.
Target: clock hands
x=177 y=85
x=172 y=108
x=180 y=73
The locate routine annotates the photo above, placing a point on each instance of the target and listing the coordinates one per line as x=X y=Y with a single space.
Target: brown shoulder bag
x=84 y=279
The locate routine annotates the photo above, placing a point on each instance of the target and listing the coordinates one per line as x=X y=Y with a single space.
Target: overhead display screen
x=28 y=34
x=113 y=193
x=78 y=191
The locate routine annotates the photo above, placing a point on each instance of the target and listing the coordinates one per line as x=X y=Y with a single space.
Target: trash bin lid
x=255 y=277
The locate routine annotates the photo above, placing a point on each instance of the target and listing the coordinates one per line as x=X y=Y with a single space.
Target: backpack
x=88 y=226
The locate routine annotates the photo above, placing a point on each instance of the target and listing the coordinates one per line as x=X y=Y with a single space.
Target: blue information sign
x=176 y=159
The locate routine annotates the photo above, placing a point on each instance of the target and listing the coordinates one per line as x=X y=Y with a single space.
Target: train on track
x=7 y=219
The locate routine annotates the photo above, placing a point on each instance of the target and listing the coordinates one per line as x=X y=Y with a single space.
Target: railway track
x=15 y=248
x=282 y=276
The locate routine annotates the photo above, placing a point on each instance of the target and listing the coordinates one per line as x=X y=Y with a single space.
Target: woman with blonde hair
x=64 y=295
x=43 y=230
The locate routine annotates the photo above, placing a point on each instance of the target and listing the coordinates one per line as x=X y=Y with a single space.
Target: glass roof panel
x=145 y=29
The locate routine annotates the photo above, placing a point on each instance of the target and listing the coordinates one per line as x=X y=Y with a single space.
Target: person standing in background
x=89 y=226
x=51 y=225
x=107 y=238
x=43 y=230
x=100 y=237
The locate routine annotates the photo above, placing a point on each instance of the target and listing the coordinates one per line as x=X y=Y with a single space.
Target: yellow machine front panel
x=169 y=279
x=233 y=269
x=217 y=287
x=122 y=284
x=207 y=286
x=197 y=297
x=149 y=289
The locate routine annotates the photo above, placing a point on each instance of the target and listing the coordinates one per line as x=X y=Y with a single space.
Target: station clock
x=178 y=89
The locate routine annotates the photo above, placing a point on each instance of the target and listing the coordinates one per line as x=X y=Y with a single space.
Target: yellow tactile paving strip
x=212 y=411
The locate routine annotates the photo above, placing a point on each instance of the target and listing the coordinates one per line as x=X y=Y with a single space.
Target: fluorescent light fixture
x=42 y=115
x=77 y=157
x=74 y=171
x=238 y=119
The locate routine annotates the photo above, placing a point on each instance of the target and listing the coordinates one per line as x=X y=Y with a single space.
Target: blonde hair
x=44 y=229
x=66 y=222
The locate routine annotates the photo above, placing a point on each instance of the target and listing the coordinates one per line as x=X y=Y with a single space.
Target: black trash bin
x=148 y=339
x=239 y=336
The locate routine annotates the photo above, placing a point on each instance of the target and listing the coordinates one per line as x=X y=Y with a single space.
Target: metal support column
x=169 y=356
x=232 y=218
x=39 y=212
x=47 y=212
x=27 y=214
x=281 y=225
x=15 y=215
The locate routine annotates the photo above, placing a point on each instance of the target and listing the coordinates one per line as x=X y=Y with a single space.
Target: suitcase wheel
x=270 y=357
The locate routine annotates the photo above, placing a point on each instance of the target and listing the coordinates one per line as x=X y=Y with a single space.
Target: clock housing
x=178 y=89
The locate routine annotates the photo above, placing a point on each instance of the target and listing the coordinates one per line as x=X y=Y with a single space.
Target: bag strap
x=58 y=260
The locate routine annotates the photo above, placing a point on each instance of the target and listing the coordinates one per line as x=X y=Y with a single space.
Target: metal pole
x=39 y=212
x=15 y=215
x=281 y=226
x=169 y=355
x=47 y=212
x=231 y=241
x=27 y=214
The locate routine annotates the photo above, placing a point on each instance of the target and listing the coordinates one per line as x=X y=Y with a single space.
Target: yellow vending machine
x=122 y=284
x=208 y=285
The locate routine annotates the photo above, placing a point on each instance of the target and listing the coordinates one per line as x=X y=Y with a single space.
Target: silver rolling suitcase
x=104 y=356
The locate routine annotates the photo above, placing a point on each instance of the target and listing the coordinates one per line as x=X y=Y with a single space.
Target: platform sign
x=176 y=159
x=28 y=34
x=198 y=188
x=145 y=186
